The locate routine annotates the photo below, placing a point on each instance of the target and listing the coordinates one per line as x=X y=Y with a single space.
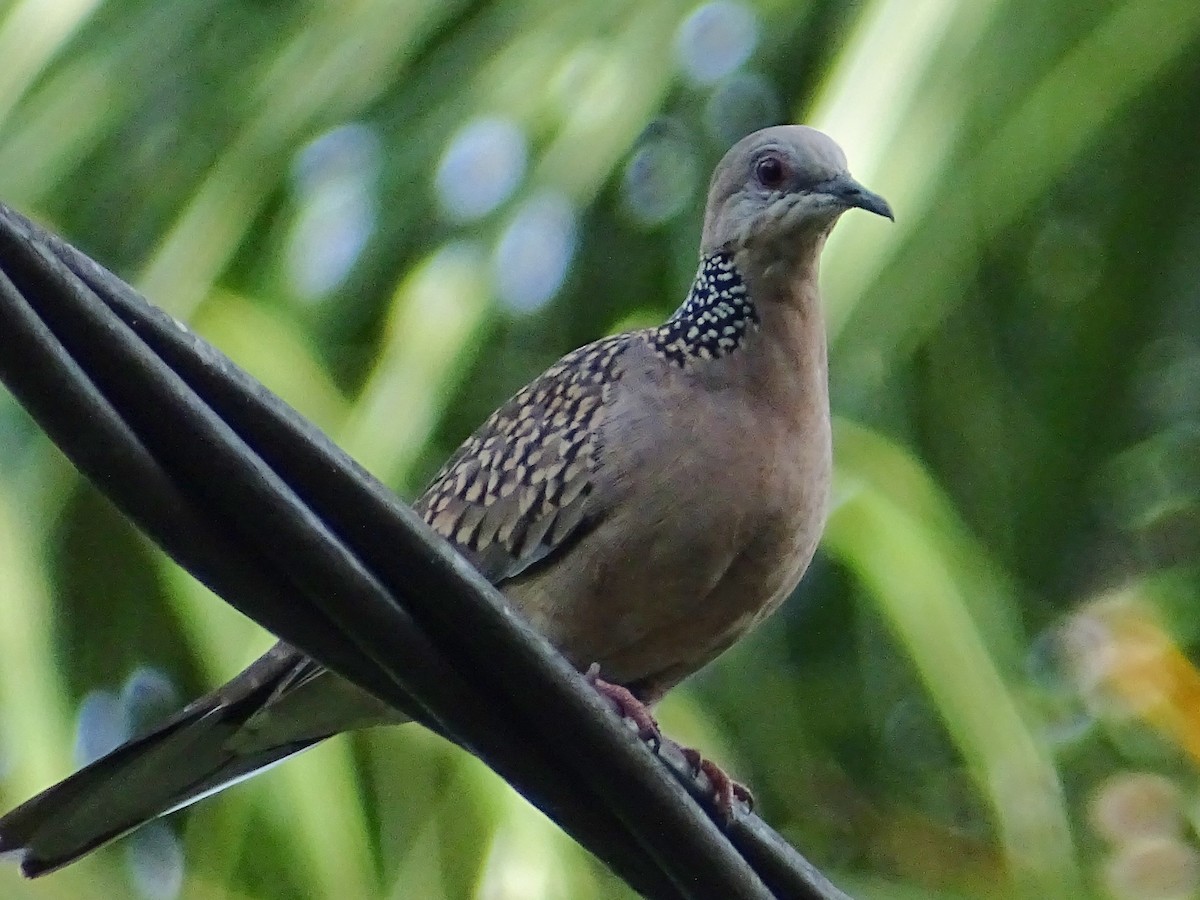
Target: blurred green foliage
x=395 y=212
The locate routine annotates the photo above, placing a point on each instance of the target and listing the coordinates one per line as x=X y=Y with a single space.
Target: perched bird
x=644 y=503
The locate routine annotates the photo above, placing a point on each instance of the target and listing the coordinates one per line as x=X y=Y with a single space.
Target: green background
x=1015 y=376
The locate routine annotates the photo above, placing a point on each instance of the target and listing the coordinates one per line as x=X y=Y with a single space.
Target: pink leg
x=725 y=789
x=628 y=706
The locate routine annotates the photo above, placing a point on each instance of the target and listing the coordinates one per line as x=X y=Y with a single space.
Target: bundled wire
x=259 y=505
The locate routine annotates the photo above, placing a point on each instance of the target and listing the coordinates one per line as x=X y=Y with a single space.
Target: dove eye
x=770 y=171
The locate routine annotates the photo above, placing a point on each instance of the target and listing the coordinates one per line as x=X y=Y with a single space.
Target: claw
x=725 y=790
x=628 y=706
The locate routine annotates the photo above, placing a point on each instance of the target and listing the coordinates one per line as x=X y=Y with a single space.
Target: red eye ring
x=770 y=171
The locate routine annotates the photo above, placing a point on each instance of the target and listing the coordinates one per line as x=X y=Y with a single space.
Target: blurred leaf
x=891 y=527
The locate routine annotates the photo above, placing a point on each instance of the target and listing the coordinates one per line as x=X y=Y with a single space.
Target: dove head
x=781 y=186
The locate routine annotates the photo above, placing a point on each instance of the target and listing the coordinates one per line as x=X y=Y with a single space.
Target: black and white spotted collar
x=713 y=320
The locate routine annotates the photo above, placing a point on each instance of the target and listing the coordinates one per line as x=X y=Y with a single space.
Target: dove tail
x=185 y=759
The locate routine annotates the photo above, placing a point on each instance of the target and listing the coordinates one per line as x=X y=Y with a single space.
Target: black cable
x=263 y=508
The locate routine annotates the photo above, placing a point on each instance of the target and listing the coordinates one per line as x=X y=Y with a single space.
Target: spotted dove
x=644 y=503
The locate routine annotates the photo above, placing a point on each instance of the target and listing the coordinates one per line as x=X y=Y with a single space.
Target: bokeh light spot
x=660 y=178
x=1132 y=673
x=1132 y=805
x=1153 y=869
x=534 y=252
x=483 y=164
x=715 y=40
x=155 y=861
x=1063 y=717
x=101 y=726
x=149 y=696
x=1044 y=663
x=1096 y=642
x=335 y=182
x=742 y=103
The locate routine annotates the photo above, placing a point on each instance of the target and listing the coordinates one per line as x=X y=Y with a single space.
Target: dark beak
x=853 y=194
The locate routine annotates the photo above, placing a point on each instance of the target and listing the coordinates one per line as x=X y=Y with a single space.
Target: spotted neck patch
x=713 y=320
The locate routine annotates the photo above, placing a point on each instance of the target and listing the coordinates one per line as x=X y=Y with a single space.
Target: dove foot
x=724 y=789
x=628 y=706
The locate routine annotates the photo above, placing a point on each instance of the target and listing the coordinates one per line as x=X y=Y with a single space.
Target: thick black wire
x=62 y=398
x=347 y=532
